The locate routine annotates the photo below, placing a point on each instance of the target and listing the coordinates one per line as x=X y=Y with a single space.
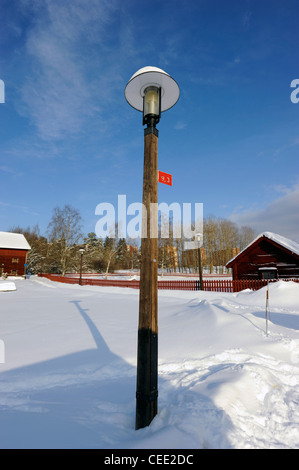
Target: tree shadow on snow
x=87 y=400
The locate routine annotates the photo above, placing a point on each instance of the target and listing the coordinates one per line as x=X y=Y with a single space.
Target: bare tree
x=228 y=240
x=64 y=232
x=246 y=236
x=210 y=238
x=111 y=248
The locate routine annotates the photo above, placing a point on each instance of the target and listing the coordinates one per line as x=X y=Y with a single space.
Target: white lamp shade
x=152 y=76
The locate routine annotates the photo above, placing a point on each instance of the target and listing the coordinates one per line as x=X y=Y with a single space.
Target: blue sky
x=68 y=136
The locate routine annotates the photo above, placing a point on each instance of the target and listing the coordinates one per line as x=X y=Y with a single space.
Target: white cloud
x=180 y=125
x=66 y=56
x=246 y=20
x=281 y=216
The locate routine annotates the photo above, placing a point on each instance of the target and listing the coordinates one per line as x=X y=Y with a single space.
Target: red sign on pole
x=165 y=178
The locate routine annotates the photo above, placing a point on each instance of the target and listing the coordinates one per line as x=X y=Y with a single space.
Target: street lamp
x=81 y=251
x=151 y=91
x=199 y=262
x=42 y=266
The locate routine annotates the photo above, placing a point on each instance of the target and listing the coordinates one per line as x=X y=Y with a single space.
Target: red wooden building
x=269 y=256
x=13 y=253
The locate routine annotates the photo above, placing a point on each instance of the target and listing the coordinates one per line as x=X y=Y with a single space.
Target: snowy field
x=68 y=379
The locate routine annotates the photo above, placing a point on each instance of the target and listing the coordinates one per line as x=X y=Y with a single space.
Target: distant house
x=13 y=253
x=269 y=256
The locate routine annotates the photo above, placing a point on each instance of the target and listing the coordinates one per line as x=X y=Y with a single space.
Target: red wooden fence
x=214 y=285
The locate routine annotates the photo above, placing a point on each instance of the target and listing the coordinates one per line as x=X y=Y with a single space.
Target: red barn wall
x=12 y=261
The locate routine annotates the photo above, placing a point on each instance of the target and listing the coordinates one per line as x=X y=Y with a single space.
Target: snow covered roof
x=290 y=245
x=13 y=241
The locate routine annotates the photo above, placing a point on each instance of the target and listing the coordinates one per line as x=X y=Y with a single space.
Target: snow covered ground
x=68 y=379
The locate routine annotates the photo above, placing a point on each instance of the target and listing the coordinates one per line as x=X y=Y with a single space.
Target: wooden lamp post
x=81 y=251
x=151 y=91
x=199 y=261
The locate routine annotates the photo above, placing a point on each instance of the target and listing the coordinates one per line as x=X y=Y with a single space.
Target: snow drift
x=69 y=376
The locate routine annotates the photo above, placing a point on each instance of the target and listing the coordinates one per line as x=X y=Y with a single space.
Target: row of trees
x=222 y=240
x=58 y=251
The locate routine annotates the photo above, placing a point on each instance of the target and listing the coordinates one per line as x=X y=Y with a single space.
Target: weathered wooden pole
x=150 y=90
x=147 y=354
x=200 y=269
